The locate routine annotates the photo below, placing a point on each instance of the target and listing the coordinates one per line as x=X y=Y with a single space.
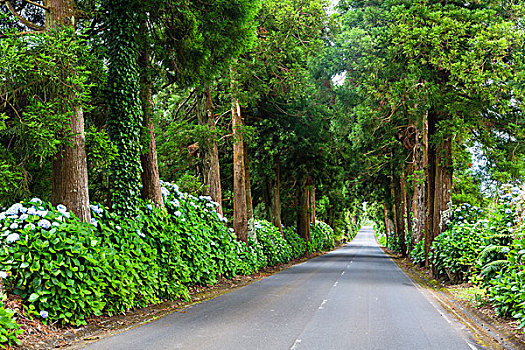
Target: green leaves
x=125 y=115
x=9 y=329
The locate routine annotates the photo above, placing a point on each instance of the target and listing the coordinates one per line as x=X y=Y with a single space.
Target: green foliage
x=381 y=238
x=298 y=244
x=275 y=247
x=9 y=329
x=43 y=81
x=507 y=287
x=455 y=251
x=68 y=270
x=417 y=254
x=122 y=98
x=100 y=153
x=322 y=237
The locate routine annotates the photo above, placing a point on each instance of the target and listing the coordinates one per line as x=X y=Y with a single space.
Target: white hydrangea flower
x=13 y=237
x=45 y=224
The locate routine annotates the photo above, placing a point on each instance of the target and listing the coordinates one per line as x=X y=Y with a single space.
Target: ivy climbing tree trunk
x=240 y=215
x=151 y=189
x=124 y=117
x=70 y=176
x=211 y=166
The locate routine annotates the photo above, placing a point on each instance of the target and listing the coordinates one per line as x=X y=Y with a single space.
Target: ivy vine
x=125 y=117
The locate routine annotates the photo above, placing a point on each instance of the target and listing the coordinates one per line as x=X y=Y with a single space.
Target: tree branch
x=20 y=18
x=37 y=4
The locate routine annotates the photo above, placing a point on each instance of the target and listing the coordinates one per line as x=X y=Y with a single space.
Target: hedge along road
x=354 y=297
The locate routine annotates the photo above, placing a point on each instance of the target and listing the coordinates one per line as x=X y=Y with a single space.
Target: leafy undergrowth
x=45 y=337
x=65 y=271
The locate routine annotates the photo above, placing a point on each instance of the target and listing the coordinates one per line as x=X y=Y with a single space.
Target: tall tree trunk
x=330 y=216
x=387 y=228
x=394 y=203
x=418 y=198
x=312 y=204
x=148 y=159
x=240 y=215
x=303 y=211
x=248 y=185
x=399 y=217
x=443 y=186
x=430 y=155
x=274 y=191
x=404 y=212
x=70 y=177
x=440 y=173
x=211 y=166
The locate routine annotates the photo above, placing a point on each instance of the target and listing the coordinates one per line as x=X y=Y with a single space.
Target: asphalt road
x=352 y=298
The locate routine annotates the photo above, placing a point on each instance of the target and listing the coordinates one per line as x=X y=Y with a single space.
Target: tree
x=435 y=63
x=64 y=92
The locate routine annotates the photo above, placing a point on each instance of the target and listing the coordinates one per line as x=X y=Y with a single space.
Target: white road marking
x=446 y=318
x=471 y=346
x=324 y=302
x=294 y=346
x=335 y=284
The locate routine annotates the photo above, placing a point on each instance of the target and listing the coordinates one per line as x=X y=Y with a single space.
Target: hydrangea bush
x=66 y=270
x=455 y=251
x=296 y=242
x=274 y=246
x=506 y=286
x=322 y=237
x=489 y=247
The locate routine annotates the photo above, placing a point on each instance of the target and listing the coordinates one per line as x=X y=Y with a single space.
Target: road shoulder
x=488 y=332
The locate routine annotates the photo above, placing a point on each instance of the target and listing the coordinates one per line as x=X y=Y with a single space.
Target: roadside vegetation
x=273 y=125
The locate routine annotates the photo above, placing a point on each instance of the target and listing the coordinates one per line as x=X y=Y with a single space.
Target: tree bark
x=274 y=191
x=60 y=13
x=443 y=186
x=440 y=171
x=70 y=176
x=418 y=198
x=248 y=185
x=151 y=189
x=387 y=228
x=398 y=199
x=303 y=211
x=394 y=203
x=312 y=204
x=240 y=215
x=405 y=215
x=211 y=166
x=430 y=155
